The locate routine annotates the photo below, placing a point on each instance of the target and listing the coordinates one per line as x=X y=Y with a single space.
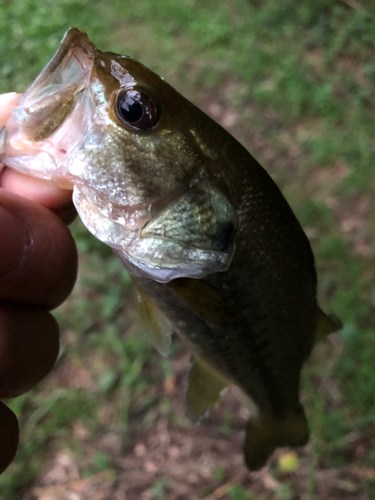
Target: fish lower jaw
x=129 y=217
x=41 y=165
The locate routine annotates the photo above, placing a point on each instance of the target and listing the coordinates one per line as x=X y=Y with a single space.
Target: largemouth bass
x=203 y=230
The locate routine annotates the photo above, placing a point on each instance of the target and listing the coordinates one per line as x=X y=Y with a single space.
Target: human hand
x=38 y=267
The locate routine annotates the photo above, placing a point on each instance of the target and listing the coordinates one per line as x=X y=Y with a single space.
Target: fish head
x=128 y=145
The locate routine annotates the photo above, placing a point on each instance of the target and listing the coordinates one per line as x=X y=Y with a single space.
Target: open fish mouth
x=64 y=76
x=35 y=143
x=53 y=94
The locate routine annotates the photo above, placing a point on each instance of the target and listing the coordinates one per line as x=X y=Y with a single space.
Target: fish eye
x=137 y=109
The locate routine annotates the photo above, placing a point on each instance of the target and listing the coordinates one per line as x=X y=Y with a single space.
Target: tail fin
x=265 y=435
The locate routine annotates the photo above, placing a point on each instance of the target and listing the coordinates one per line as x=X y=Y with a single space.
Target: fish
x=213 y=248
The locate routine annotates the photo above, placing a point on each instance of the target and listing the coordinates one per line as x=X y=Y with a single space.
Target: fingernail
x=15 y=239
x=7 y=103
x=5 y=99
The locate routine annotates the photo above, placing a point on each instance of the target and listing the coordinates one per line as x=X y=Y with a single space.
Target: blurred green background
x=294 y=82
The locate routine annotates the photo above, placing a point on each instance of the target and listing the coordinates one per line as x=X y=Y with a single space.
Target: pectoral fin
x=206 y=386
x=327 y=323
x=155 y=321
x=264 y=435
x=203 y=300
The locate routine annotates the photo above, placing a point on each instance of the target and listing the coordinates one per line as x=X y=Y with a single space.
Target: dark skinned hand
x=38 y=267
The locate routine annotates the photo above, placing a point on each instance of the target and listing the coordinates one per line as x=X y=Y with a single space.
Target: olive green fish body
x=256 y=323
x=200 y=225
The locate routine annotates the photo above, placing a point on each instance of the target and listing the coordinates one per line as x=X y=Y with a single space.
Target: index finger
x=38 y=259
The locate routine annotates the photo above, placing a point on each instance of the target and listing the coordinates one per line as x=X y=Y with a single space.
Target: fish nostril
x=224 y=236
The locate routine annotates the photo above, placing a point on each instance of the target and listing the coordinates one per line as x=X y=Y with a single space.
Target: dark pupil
x=131 y=110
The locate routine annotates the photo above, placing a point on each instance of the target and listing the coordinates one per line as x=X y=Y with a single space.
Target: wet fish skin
x=262 y=321
x=178 y=201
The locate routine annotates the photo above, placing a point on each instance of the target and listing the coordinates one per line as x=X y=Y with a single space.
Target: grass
x=298 y=80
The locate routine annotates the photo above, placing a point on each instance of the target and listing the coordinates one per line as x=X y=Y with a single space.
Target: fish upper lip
x=75 y=45
x=76 y=42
